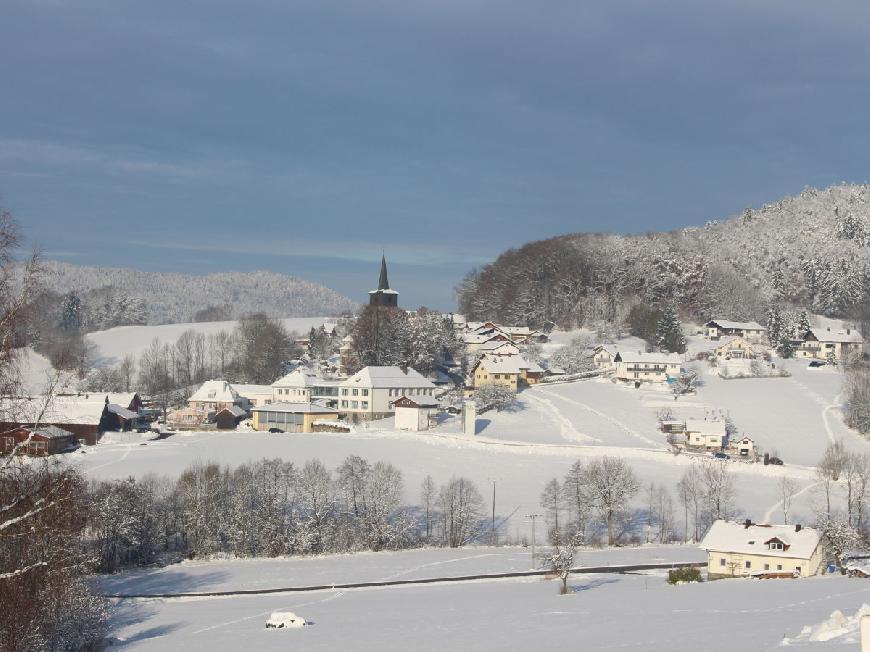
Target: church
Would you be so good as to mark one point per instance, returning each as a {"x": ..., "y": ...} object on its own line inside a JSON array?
[{"x": 384, "y": 296}]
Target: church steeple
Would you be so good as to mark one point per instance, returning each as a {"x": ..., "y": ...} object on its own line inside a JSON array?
[
  {"x": 383, "y": 283},
  {"x": 384, "y": 296}
]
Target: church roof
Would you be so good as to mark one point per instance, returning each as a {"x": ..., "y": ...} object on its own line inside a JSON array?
[{"x": 383, "y": 283}]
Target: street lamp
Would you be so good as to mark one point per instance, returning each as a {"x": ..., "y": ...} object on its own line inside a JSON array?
[{"x": 533, "y": 517}]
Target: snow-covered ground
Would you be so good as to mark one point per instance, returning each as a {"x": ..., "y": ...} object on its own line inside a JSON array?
[
  {"x": 115, "y": 343},
  {"x": 637, "y": 611}
]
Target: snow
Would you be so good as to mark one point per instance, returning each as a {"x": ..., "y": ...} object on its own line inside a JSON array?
[
  {"x": 113, "y": 344},
  {"x": 285, "y": 620},
  {"x": 836, "y": 626}
]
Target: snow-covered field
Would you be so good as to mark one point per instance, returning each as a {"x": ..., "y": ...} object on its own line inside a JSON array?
[
  {"x": 637, "y": 611},
  {"x": 115, "y": 343}
]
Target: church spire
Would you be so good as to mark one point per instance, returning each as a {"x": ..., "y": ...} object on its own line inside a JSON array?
[{"x": 383, "y": 283}]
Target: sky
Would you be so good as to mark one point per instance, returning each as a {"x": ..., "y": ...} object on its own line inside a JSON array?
[{"x": 309, "y": 137}]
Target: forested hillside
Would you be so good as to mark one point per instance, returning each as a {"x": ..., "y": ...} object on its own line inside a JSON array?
[
  {"x": 811, "y": 251},
  {"x": 160, "y": 298}
]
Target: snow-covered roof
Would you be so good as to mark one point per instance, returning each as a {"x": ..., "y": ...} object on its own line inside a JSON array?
[
  {"x": 842, "y": 336},
  {"x": 296, "y": 408},
  {"x": 247, "y": 391},
  {"x": 493, "y": 345},
  {"x": 303, "y": 377},
  {"x": 736, "y": 325},
  {"x": 53, "y": 432},
  {"x": 122, "y": 411},
  {"x": 218, "y": 391},
  {"x": 508, "y": 364},
  {"x": 655, "y": 357},
  {"x": 382, "y": 292},
  {"x": 235, "y": 410},
  {"x": 81, "y": 409},
  {"x": 387, "y": 377},
  {"x": 516, "y": 330},
  {"x": 416, "y": 402},
  {"x": 726, "y": 536},
  {"x": 706, "y": 427}
]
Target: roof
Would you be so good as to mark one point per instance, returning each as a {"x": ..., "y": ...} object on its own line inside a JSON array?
[
  {"x": 302, "y": 377},
  {"x": 650, "y": 358},
  {"x": 387, "y": 377},
  {"x": 52, "y": 432},
  {"x": 296, "y": 408},
  {"x": 218, "y": 391},
  {"x": 493, "y": 345},
  {"x": 843, "y": 336},
  {"x": 508, "y": 364},
  {"x": 737, "y": 325},
  {"x": 235, "y": 410},
  {"x": 252, "y": 390},
  {"x": 79, "y": 409},
  {"x": 726, "y": 536},
  {"x": 705, "y": 427},
  {"x": 122, "y": 412},
  {"x": 414, "y": 403}
]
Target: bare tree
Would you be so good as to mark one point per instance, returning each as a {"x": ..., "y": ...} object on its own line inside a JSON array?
[
  {"x": 611, "y": 484},
  {"x": 829, "y": 469},
  {"x": 561, "y": 560},
  {"x": 461, "y": 505},
  {"x": 690, "y": 492},
  {"x": 427, "y": 498},
  {"x": 127, "y": 369},
  {"x": 551, "y": 501},
  {"x": 787, "y": 489},
  {"x": 718, "y": 491},
  {"x": 575, "y": 498}
]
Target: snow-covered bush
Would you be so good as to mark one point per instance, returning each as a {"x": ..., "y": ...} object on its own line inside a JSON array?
[
  {"x": 285, "y": 620},
  {"x": 684, "y": 575},
  {"x": 494, "y": 397}
]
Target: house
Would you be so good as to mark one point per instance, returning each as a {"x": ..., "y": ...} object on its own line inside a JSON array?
[
  {"x": 603, "y": 355},
  {"x": 731, "y": 347},
  {"x": 415, "y": 415},
  {"x": 291, "y": 416},
  {"x": 47, "y": 440},
  {"x": 370, "y": 392},
  {"x": 750, "y": 330},
  {"x": 646, "y": 367},
  {"x": 821, "y": 343},
  {"x": 229, "y": 417},
  {"x": 214, "y": 395},
  {"x": 751, "y": 549},
  {"x": 254, "y": 394},
  {"x": 710, "y": 435},
  {"x": 87, "y": 416},
  {"x": 744, "y": 446},
  {"x": 305, "y": 386},
  {"x": 509, "y": 370}
]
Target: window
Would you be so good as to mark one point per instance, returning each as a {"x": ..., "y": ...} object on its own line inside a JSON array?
[
  {"x": 776, "y": 545},
  {"x": 722, "y": 561},
  {"x": 365, "y": 392},
  {"x": 344, "y": 404},
  {"x": 779, "y": 567},
  {"x": 354, "y": 405},
  {"x": 344, "y": 392},
  {"x": 797, "y": 569},
  {"x": 748, "y": 564},
  {"x": 767, "y": 567},
  {"x": 365, "y": 405},
  {"x": 355, "y": 391}
]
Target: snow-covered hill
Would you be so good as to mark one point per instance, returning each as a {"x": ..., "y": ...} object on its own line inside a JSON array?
[{"x": 173, "y": 298}]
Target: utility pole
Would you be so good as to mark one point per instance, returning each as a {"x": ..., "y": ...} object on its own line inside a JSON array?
[
  {"x": 533, "y": 517},
  {"x": 492, "y": 537}
]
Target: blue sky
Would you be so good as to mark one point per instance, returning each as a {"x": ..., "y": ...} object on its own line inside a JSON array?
[{"x": 305, "y": 137}]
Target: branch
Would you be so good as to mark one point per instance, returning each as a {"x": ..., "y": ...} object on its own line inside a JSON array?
[{"x": 22, "y": 571}]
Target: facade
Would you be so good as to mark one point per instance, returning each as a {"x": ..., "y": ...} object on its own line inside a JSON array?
[
  {"x": 415, "y": 415},
  {"x": 733, "y": 347},
  {"x": 821, "y": 343},
  {"x": 214, "y": 395},
  {"x": 509, "y": 370},
  {"x": 646, "y": 367},
  {"x": 370, "y": 392},
  {"x": 750, "y": 330},
  {"x": 749, "y": 549},
  {"x": 304, "y": 386},
  {"x": 291, "y": 417},
  {"x": 48, "y": 440},
  {"x": 744, "y": 446},
  {"x": 383, "y": 295},
  {"x": 710, "y": 435},
  {"x": 254, "y": 394}
]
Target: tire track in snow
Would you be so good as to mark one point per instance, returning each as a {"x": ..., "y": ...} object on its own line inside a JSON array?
[
  {"x": 768, "y": 515},
  {"x": 566, "y": 428},
  {"x": 627, "y": 430}
]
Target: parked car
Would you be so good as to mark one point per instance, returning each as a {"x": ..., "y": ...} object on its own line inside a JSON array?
[
  {"x": 275, "y": 430},
  {"x": 721, "y": 456},
  {"x": 817, "y": 363},
  {"x": 775, "y": 461}
]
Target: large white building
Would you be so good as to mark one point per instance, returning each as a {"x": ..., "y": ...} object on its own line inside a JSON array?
[
  {"x": 646, "y": 367},
  {"x": 370, "y": 392},
  {"x": 820, "y": 343},
  {"x": 304, "y": 386}
]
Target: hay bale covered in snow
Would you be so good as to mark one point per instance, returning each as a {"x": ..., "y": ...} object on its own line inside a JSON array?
[{"x": 284, "y": 619}]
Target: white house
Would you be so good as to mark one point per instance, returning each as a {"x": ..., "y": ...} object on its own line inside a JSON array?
[
  {"x": 752, "y": 331},
  {"x": 744, "y": 446},
  {"x": 214, "y": 395},
  {"x": 819, "y": 343},
  {"x": 750, "y": 549},
  {"x": 646, "y": 367},
  {"x": 711, "y": 434},
  {"x": 370, "y": 392},
  {"x": 257, "y": 395},
  {"x": 304, "y": 386},
  {"x": 415, "y": 415}
]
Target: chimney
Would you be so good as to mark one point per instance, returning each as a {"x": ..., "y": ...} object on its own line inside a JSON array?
[
  {"x": 848, "y": 331},
  {"x": 404, "y": 369},
  {"x": 747, "y": 523},
  {"x": 798, "y": 527}
]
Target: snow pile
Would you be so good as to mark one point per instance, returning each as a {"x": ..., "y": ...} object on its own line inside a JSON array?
[
  {"x": 285, "y": 619},
  {"x": 129, "y": 437},
  {"x": 838, "y": 626}
]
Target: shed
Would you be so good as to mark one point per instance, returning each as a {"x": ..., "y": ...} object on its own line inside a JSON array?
[
  {"x": 46, "y": 440},
  {"x": 415, "y": 415},
  {"x": 229, "y": 417}
]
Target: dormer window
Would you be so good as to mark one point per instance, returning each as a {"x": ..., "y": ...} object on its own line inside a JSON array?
[{"x": 775, "y": 545}]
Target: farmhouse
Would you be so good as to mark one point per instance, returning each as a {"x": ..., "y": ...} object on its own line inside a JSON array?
[
  {"x": 47, "y": 440},
  {"x": 822, "y": 343},
  {"x": 509, "y": 370},
  {"x": 291, "y": 417},
  {"x": 750, "y": 330},
  {"x": 750, "y": 549},
  {"x": 710, "y": 435},
  {"x": 370, "y": 392},
  {"x": 646, "y": 367},
  {"x": 415, "y": 415}
]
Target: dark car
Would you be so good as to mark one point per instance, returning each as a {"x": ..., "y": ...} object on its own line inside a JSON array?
[
  {"x": 275, "y": 430},
  {"x": 775, "y": 461},
  {"x": 721, "y": 456},
  {"x": 817, "y": 363}
]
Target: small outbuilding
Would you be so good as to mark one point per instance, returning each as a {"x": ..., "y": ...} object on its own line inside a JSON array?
[
  {"x": 47, "y": 440},
  {"x": 229, "y": 417},
  {"x": 415, "y": 415}
]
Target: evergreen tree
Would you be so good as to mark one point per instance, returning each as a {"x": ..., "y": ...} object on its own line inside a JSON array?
[
  {"x": 803, "y": 323},
  {"x": 774, "y": 324},
  {"x": 71, "y": 314},
  {"x": 785, "y": 348},
  {"x": 669, "y": 333},
  {"x": 831, "y": 358}
]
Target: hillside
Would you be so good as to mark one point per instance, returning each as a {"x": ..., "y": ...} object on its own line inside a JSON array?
[
  {"x": 811, "y": 250},
  {"x": 175, "y": 298}
]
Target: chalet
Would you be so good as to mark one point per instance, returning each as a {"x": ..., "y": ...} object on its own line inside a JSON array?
[
  {"x": 821, "y": 343},
  {"x": 370, "y": 392},
  {"x": 749, "y": 549},
  {"x": 646, "y": 367},
  {"x": 415, "y": 415},
  {"x": 750, "y": 330},
  {"x": 509, "y": 370},
  {"x": 291, "y": 417},
  {"x": 305, "y": 386},
  {"x": 709, "y": 435},
  {"x": 87, "y": 416},
  {"x": 731, "y": 347},
  {"x": 47, "y": 440},
  {"x": 228, "y": 418}
]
